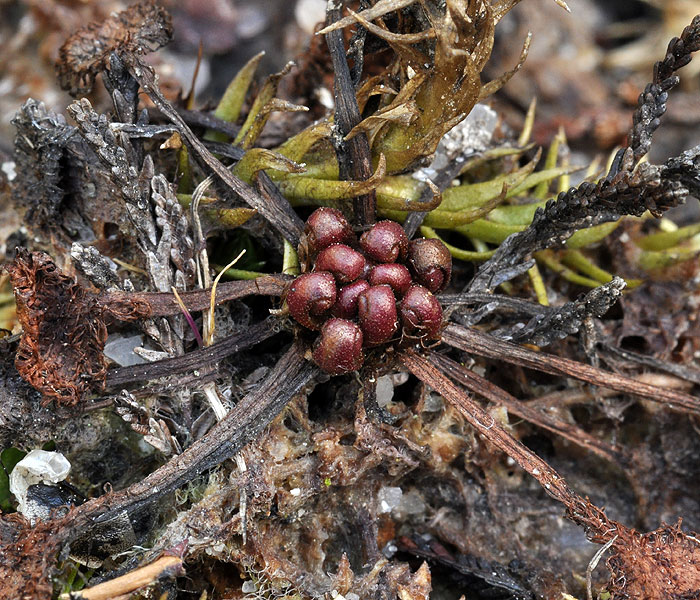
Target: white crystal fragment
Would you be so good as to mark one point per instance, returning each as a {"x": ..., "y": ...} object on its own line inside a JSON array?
[
  {"x": 120, "y": 349},
  {"x": 39, "y": 466},
  {"x": 388, "y": 498},
  {"x": 411, "y": 503},
  {"x": 385, "y": 390},
  {"x": 8, "y": 167},
  {"x": 308, "y": 13}
]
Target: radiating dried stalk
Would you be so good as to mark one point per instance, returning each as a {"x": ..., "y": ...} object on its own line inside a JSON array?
[{"x": 482, "y": 344}]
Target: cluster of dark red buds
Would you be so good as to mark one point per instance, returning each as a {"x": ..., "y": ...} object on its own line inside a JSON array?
[{"x": 366, "y": 293}]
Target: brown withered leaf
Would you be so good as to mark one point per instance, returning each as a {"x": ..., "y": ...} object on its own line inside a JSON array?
[
  {"x": 60, "y": 353},
  {"x": 664, "y": 563},
  {"x": 141, "y": 28},
  {"x": 27, "y": 559}
]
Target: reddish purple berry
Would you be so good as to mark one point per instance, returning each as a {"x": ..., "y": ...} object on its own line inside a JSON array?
[
  {"x": 345, "y": 263},
  {"x": 376, "y": 311},
  {"x": 393, "y": 274},
  {"x": 431, "y": 263},
  {"x": 326, "y": 226},
  {"x": 421, "y": 312},
  {"x": 310, "y": 296},
  {"x": 346, "y": 304},
  {"x": 386, "y": 242},
  {"x": 338, "y": 349}
]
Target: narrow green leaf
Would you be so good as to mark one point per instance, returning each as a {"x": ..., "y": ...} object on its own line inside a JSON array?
[
  {"x": 664, "y": 240},
  {"x": 9, "y": 458},
  {"x": 468, "y": 255},
  {"x": 592, "y": 235},
  {"x": 229, "y": 107}
]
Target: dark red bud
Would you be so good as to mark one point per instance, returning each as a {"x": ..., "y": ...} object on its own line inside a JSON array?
[
  {"x": 421, "y": 312},
  {"x": 309, "y": 296},
  {"x": 345, "y": 263},
  {"x": 376, "y": 311},
  {"x": 338, "y": 349},
  {"x": 393, "y": 274},
  {"x": 326, "y": 226},
  {"x": 431, "y": 263},
  {"x": 386, "y": 242},
  {"x": 346, "y": 304}
]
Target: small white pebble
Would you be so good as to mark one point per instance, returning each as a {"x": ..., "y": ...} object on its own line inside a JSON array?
[{"x": 295, "y": 492}]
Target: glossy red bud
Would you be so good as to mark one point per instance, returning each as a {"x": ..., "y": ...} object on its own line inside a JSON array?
[
  {"x": 421, "y": 313},
  {"x": 326, "y": 226},
  {"x": 393, "y": 274},
  {"x": 345, "y": 263},
  {"x": 338, "y": 349},
  {"x": 376, "y": 312},
  {"x": 346, "y": 304},
  {"x": 386, "y": 242},
  {"x": 431, "y": 263},
  {"x": 310, "y": 296}
]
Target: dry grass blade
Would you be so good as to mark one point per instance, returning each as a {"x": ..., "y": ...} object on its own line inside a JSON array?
[
  {"x": 380, "y": 9},
  {"x": 165, "y": 566},
  {"x": 482, "y": 344}
]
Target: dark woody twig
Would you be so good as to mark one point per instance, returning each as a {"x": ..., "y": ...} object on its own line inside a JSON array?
[{"x": 354, "y": 157}]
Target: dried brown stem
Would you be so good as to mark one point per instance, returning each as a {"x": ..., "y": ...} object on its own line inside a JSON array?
[
  {"x": 203, "y": 358},
  {"x": 162, "y": 304},
  {"x": 482, "y": 344}
]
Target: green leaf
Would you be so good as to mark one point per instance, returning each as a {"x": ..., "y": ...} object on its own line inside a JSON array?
[
  {"x": 9, "y": 457},
  {"x": 487, "y": 231},
  {"x": 258, "y": 159},
  {"x": 469, "y": 255},
  {"x": 664, "y": 240},
  {"x": 252, "y": 125},
  {"x": 592, "y": 235},
  {"x": 542, "y": 189},
  {"x": 476, "y": 195},
  {"x": 229, "y": 108}
]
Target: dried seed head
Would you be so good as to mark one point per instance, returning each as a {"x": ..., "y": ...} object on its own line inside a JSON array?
[
  {"x": 345, "y": 263},
  {"x": 310, "y": 296},
  {"x": 386, "y": 242},
  {"x": 346, "y": 304},
  {"x": 338, "y": 349},
  {"x": 326, "y": 226},
  {"x": 431, "y": 263},
  {"x": 376, "y": 311},
  {"x": 393, "y": 274},
  {"x": 421, "y": 312}
]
